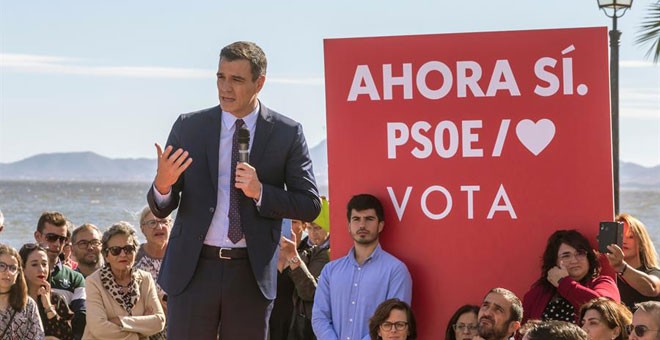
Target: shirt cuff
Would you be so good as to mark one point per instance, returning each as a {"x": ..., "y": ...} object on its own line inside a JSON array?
[
  {"x": 160, "y": 199},
  {"x": 261, "y": 195}
]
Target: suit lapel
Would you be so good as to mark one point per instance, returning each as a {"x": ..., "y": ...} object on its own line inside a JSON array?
[
  {"x": 261, "y": 134},
  {"x": 213, "y": 144}
]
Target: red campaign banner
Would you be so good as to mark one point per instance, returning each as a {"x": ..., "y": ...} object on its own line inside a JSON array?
[{"x": 479, "y": 145}]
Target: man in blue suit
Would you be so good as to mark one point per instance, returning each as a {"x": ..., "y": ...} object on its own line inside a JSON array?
[{"x": 220, "y": 268}]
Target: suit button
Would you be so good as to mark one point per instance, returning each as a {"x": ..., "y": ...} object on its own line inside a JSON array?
[{"x": 211, "y": 210}]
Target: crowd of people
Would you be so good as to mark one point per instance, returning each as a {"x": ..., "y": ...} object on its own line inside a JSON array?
[
  {"x": 223, "y": 270},
  {"x": 112, "y": 292}
]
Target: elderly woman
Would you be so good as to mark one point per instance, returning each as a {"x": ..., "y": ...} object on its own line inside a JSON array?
[
  {"x": 303, "y": 265},
  {"x": 393, "y": 319},
  {"x": 150, "y": 255},
  {"x": 636, "y": 264},
  {"x": 603, "y": 318},
  {"x": 463, "y": 324},
  {"x": 122, "y": 302},
  {"x": 570, "y": 277},
  {"x": 19, "y": 318},
  {"x": 53, "y": 309}
]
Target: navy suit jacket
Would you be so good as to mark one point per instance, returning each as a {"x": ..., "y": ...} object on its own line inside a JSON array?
[{"x": 279, "y": 154}]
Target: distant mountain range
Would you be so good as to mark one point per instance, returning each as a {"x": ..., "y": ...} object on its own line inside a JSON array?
[{"x": 89, "y": 166}]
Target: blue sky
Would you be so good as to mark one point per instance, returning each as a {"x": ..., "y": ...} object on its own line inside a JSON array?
[{"x": 111, "y": 77}]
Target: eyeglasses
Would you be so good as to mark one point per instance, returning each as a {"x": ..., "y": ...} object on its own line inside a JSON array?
[
  {"x": 84, "y": 244},
  {"x": 399, "y": 325},
  {"x": 52, "y": 238},
  {"x": 639, "y": 330},
  {"x": 578, "y": 255},
  {"x": 115, "y": 251},
  {"x": 12, "y": 268},
  {"x": 154, "y": 223},
  {"x": 461, "y": 327}
]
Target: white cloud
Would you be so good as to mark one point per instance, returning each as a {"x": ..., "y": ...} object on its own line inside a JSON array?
[
  {"x": 26, "y": 63},
  {"x": 637, "y": 64}
]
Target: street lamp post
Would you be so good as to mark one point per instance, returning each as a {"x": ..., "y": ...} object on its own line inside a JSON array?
[{"x": 615, "y": 9}]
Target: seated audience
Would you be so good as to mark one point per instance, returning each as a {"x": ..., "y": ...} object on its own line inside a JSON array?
[
  {"x": 53, "y": 309},
  {"x": 303, "y": 266},
  {"x": 150, "y": 255},
  {"x": 463, "y": 324},
  {"x": 636, "y": 264},
  {"x": 393, "y": 319},
  {"x": 86, "y": 241},
  {"x": 553, "y": 330},
  {"x": 51, "y": 234},
  {"x": 122, "y": 302},
  {"x": 19, "y": 318},
  {"x": 646, "y": 321},
  {"x": 603, "y": 318},
  {"x": 570, "y": 277},
  {"x": 499, "y": 315}
]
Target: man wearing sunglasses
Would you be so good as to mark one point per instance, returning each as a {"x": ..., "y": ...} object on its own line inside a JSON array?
[
  {"x": 51, "y": 234},
  {"x": 646, "y": 321}
]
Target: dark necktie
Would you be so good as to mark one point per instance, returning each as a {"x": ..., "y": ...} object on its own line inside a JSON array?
[{"x": 235, "y": 232}]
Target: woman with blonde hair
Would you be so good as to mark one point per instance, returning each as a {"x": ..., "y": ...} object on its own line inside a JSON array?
[
  {"x": 19, "y": 317},
  {"x": 635, "y": 263},
  {"x": 603, "y": 318}
]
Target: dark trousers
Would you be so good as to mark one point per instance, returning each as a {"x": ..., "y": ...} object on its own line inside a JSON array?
[{"x": 222, "y": 301}]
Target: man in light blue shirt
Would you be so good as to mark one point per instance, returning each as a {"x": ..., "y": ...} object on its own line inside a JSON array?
[{"x": 350, "y": 288}]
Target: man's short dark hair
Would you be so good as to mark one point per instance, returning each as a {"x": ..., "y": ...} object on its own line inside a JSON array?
[
  {"x": 553, "y": 330},
  {"x": 86, "y": 226},
  {"x": 363, "y": 202},
  {"x": 516, "y": 306},
  {"x": 53, "y": 217},
  {"x": 247, "y": 50}
]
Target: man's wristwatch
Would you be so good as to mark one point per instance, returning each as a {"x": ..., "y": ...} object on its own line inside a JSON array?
[{"x": 294, "y": 259}]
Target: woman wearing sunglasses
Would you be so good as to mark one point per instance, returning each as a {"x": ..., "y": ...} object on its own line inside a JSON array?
[
  {"x": 53, "y": 310},
  {"x": 570, "y": 277},
  {"x": 122, "y": 302},
  {"x": 646, "y": 321},
  {"x": 19, "y": 318},
  {"x": 393, "y": 320}
]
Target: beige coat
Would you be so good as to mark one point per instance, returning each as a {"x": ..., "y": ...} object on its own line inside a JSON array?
[{"x": 101, "y": 306}]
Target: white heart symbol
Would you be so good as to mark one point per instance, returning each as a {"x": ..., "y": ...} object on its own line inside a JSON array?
[{"x": 535, "y": 136}]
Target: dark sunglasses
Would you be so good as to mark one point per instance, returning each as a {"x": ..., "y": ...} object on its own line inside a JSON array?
[
  {"x": 115, "y": 251},
  {"x": 639, "y": 330},
  {"x": 50, "y": 237}
]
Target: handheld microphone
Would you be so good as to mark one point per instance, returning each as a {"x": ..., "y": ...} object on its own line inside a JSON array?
[{"x": 243, "y": 144}]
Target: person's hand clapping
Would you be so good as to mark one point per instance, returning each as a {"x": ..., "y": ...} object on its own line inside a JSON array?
[{"x": 170, "y": 167}]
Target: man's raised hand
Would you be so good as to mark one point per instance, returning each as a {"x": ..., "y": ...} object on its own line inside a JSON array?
[{"x": 170, "y": 167}]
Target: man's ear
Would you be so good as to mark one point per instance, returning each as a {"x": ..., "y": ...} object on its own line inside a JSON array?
[
  {"x": 260, "y": 82},
  {"x": 37, "y": 236},
  {"x": 381, "y": 224},
  {"x": 513, "y": 327}
]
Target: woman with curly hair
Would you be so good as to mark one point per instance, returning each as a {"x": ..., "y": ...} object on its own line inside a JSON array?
[{"x": 570, "y": 277}]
